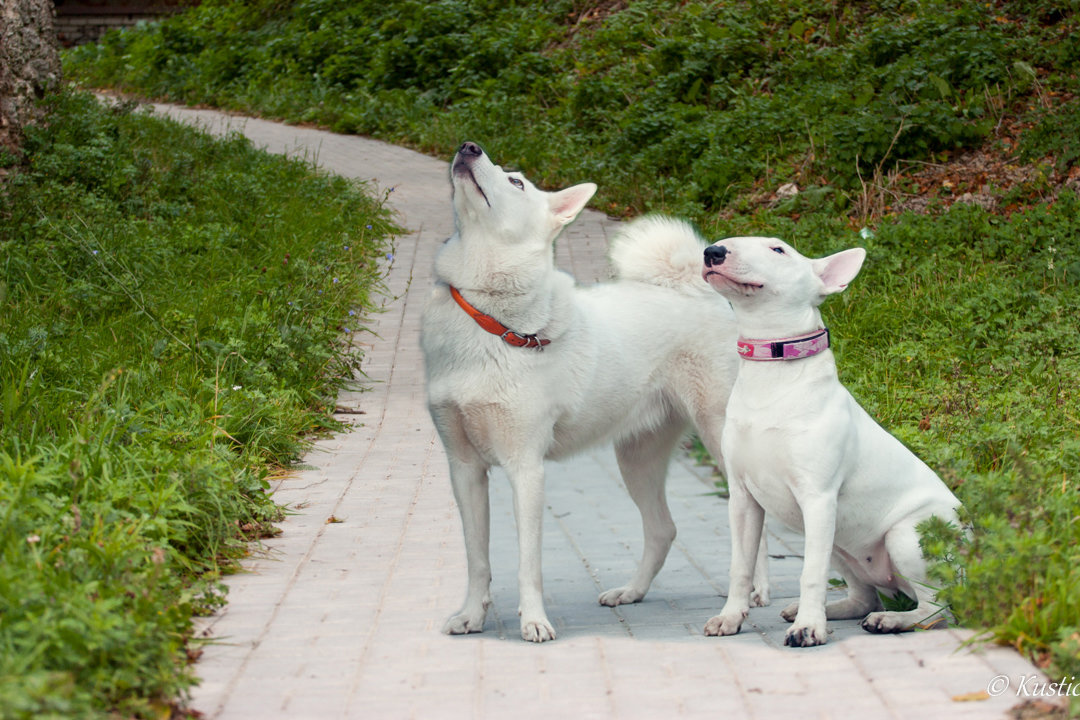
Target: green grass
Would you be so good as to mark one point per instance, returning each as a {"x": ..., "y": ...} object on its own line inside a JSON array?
[
  {"x": 175, "y": 317},
  {"x": 960, "y": 333}
]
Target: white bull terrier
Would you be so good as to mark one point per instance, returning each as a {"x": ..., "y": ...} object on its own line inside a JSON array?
[{"x": 799, "y": 447}]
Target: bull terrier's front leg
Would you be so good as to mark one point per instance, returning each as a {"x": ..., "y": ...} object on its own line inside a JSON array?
[
  {"x": 819, "y": 521},
  {"x": 747, "y": 520}
]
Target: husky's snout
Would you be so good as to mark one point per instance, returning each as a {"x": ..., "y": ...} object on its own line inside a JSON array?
[
  {"x": 466, "y": 154},
  {"x": 464, "y": 161},
  {"x": 714, "y": 255},
  {"x": 470, "y": 149}
]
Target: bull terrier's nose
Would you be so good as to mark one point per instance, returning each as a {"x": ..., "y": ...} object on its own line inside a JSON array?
[
  {"x": 714, "y": 255},
  {"x": 470, "y": 149}
]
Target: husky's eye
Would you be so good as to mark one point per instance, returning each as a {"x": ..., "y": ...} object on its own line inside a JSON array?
[
  {"x": 516, "y": 183},
  {"x": 779, "y": 250}
]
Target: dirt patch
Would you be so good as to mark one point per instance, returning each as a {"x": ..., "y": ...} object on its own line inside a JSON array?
[{"x": 994, "y": 180}]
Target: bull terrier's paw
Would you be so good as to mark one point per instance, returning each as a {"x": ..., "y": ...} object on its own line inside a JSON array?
[
  {"x": 537, "y": 631},
  {"x": 464, "y": 623},
  {"x": 624, "y": 595},
  {"x": 790, "y": 611},
  {"x": 760, "y": 597},
  {"x": 806, "y": 635},
  {"x": 887, "y": 622},
  {"x": 725, "y": 623}
]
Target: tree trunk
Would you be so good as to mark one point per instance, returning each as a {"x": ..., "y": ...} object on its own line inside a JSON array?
[{"x": 29, "y": 64}]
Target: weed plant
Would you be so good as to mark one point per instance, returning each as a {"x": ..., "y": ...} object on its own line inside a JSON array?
[
  {"x": 175, "y": 316},
  {"x": 960, "y": 333}
]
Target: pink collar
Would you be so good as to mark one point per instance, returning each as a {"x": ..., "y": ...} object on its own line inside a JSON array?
[{"x": 793, "y": 348}]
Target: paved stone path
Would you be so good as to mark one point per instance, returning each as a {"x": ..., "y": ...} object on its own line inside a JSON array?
[{"x": 342, "y": 619}]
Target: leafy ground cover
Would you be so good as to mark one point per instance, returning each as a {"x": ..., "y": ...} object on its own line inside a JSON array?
[
  {"x": 175, "y": 317},
  {"x": 946, "y": 131}
]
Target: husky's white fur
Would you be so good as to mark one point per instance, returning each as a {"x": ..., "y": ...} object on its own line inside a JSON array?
[
  {"x": 628, "y": 362},
  {"x": 799, "y": 447}
]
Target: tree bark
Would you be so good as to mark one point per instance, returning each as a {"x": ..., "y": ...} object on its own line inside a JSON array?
[{"x": 29, "y": 64}]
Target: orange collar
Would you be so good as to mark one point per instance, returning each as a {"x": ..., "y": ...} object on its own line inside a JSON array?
[{"x": 495, "y": 327}]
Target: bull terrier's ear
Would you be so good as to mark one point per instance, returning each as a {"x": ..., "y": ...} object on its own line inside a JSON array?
[
  {"x": 566, "y": 204},
  {"x": 836, "y": 271}
]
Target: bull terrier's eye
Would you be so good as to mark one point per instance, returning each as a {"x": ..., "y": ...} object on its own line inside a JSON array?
[
  {"x": 779, "y": 250},
  {"x": 516, "y": 183}
]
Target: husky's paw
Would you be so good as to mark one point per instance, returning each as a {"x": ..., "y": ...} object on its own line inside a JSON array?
[
  {"x": 804, "y": 634},
  {"x": 537, "y": 631},
  {"x": 464, "y": 623},
  {"x": 760, "y": 597},
  {"x": 470, "y": 619},
  {"x": 624, "y": 595},
  {"x": 790, "y": 611},
  {"x": 887, "y": 622},
  {"x": 725, "y": 623}
]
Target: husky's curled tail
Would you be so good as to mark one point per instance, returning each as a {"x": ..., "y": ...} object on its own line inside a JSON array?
[{"x": 660, "y": 251}]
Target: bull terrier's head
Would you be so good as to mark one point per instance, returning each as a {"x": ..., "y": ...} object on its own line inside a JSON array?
[{"x": 773, "y": 289}]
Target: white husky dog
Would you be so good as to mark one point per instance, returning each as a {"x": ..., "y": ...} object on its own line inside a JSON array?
[
  {"x": 523, "y": 366},
  {"x": 799, "y": 447}
]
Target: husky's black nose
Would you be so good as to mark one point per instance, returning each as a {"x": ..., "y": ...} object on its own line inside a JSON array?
[
  {"x": 470, "y": 149},
  {"x": 714, "y": 255}
]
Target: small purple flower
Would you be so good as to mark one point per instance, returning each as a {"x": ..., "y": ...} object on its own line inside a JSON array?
[
  {"x": 368, "y": 227},
  {"x": 335, "y": 281},
  {"x": 346, "y": 247},
  {"x": 352, "y": 313},
  {"x": 94, "y": 252},
  {"x": 390, "y": 256}
]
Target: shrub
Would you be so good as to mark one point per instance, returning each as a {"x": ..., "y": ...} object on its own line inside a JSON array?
[{"x": 175, "y": 315}]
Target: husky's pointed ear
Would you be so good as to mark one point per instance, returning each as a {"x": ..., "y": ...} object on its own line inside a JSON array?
[
  {"x": 566, "y": 204},
  {"x": 836, "y": 271}
]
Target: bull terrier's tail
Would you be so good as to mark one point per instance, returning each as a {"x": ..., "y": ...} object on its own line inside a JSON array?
[{"x": 661, "y": 251}]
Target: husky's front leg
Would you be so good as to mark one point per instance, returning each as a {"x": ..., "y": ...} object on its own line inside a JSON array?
[
  {"x": 470, "y": 483},
  {"x": 469, "y": 479},
  {"x": 527, "y": 481}
]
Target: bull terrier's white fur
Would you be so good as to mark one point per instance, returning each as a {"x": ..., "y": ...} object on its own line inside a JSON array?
[
  {"x": 799, "y": 447},
  {"x": 627, "y": 363}
]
